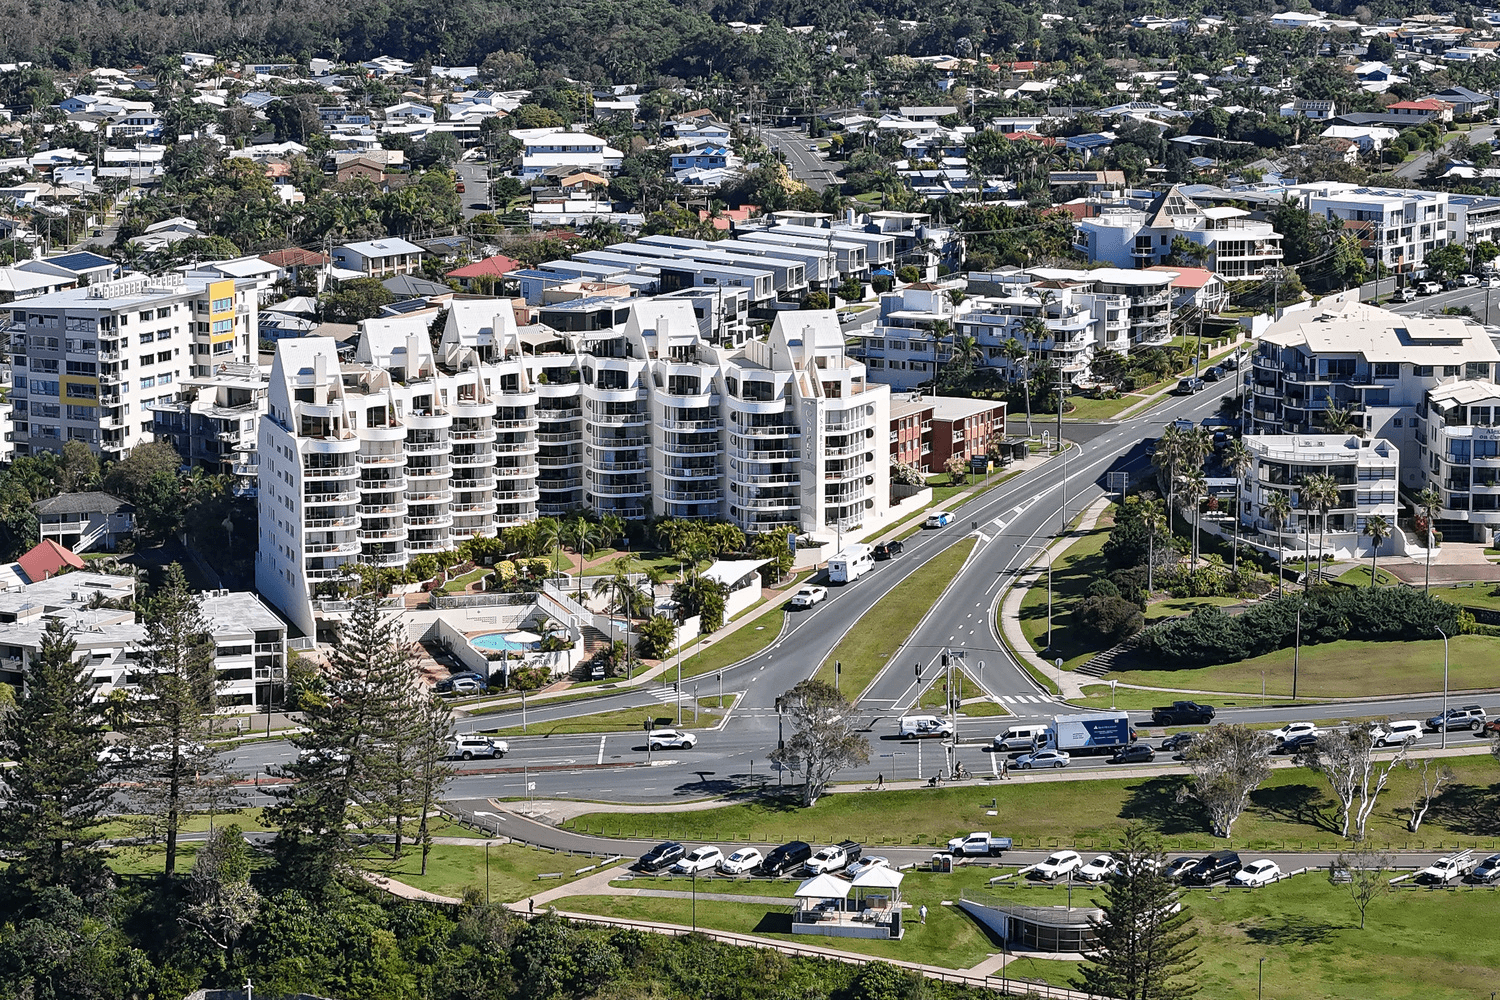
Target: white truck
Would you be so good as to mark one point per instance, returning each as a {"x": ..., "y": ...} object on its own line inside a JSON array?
[
  {"x": 979, "y": 845},
  {"x": 835, "y": 858},
  {"x": 1091, "y": 732},
  {"x": 850, "y": 564},
  {"x": 1449, "y": 869}
]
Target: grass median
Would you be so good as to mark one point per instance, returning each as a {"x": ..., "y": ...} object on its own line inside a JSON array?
[
  {"x": 877, "y": 635},
  {"x": 509, "y": 870},
  {"x": 618, "y": 721},
  {"x": 1292, "y": 810},
  {"x": 743, "y": 642}
]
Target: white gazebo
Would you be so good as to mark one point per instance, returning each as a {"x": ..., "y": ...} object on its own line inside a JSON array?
[{"x": 822, "y": 905}]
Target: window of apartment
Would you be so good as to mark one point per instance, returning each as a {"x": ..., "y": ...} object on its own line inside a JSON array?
[
  {"x": 146, "y": 338},
  {"x": 1477, "y": 369},
  {"x": 223, "y": 305},
  {"x": 44, "y": 387},
  {"x": 1340, "y": 367},
  {"x": 223, "y": 325},
  {"x": 146, "y": 316},
  {"x": 147, "y": 359},
  {"x": 1450, "y": 370},
  {"x": 148, "y": 382},
  {"x": 224, "y": 348},
  {"x": 76, "y": 391},
  {"x": 876, "y": 363},
  {"x": 1386, "y": 369},
  {"x": 80, "y": 412},
  {"x": 1397, "y": 422},
  {"x": 163, "y": 312},
  {"x": 898, "y": 345},
  {"x": 164, "y": 334},
  {"x": 47, "y": 410},
  {"x": 82, "y": 368},
  {"x": 165, "y": 379},
  {"x": 919, "y": 366},
  {"x": 164, "y": 357},
  {"x": 44, "y": 365},
  {"x": 1422, "y": 371}
]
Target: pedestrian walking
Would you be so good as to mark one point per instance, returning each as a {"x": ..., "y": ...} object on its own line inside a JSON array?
[
  {"x": 880, "y": 780},
  {"x": 531, "y": 905},
  {"x": 1004, "y": 768},
  {"x": 923, "y": 911}
]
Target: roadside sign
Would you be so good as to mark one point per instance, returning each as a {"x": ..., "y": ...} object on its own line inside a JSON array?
[{"x": 791, "y": 542}]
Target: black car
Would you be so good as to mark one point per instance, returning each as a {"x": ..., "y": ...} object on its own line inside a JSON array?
[
  {"x": 1215, "y": 868},
  {"x": 1307, "y": 741},
  {"x": 661, "y": 856},
  {"x": 889, "y": 550},
  {"x": 1179, "y": 742},
  {"x": 1188, "y": 386},
  {"x": 1132, "y": 754},
  {"x": 786, "y": 857},
  {"x": 1213, "y": 374}
]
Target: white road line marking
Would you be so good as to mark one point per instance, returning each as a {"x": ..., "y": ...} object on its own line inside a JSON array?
[{"x": 601, "y": 750}]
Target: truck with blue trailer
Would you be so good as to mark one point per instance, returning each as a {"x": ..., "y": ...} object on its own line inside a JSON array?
[{"x": 1091, "y": 732}]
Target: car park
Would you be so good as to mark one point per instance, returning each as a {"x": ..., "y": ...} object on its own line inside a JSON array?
[
  {"x": 1178, "y": 867},
  {"x": 786, "y": 857},
  {"x": 1467, "y": 717},
  {"x": 1213, "y": 374},
  {"x": 469, "y": 747},
  {"x": 1293, "y": 729},
  {"x": 741, "y": 862},
  {"x": 889, "y": 550},
  {"x": 661, "y": 856},
  {"x": 808, "y": 596},
  {"x": 1214, "y": 868},
  {"x": 1135, "y": 753},
  {"x": 1395, "y": 734},
  {"x": 1486, "y": 871},
  {"x": 665, "y": 739},
  {"x": 1043, "y": 758},
  {"x": 1058, "y": 865},
  {"x": 835, "y": 858},
  {"x": 699, "y": 859},
  {"x": 938, "y": 519},
  {"x": 1098, "y": 869},
  {"x": 1262, "y": 872},
  {"x": 1407, "y": 294},
  {"x": 866, "y": 864}
]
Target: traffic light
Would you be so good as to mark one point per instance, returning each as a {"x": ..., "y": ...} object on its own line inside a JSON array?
[{"x": 945, "y": 660}]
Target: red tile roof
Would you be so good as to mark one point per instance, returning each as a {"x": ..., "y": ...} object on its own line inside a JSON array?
[
  {"x": 494, "y": 267},
  {"x": 294, "y": 257},
  {"x": 1187, "y": 277},
  {"x": 1430, "y": 104},
  {"x": 47, "y": 560}
]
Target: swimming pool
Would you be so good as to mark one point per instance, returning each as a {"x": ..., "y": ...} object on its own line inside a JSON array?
[{"x": 497, "y": 640}]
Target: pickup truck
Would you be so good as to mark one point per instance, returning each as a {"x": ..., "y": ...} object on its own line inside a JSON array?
[
  {"x": 979, "y": 844},
  {"x": 1445, "y": 870},
  {"x": 834, "y": 859},
  {"x": 1182, "y": 713}
]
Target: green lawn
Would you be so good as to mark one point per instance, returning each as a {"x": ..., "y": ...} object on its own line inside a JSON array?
[
  {"x": 1339, "y": 669},
  {"x": 1072, "y": 572},
  {"x": 935, "y": 697},
  {"x": 248, "y": 820},
  {"x": 619, "y": 721},
  {"x": 640, "y": 562},
  {"x": 1132, "y": 700},
  {"x": 747, "y": 640},
  {"x": 1359, "y": 576},
  {"x": 881, "y": 631},
  {"x": 459, "y": 583},
  {"x": 451, "y": 869},
  {"x": 1086, "y": 408},
  {"x": 1292, "y": 810}
]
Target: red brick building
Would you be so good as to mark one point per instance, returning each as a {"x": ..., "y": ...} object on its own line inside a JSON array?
[
  {"x": 964, "y": 427},
  {"x": 911, "y": 431}
]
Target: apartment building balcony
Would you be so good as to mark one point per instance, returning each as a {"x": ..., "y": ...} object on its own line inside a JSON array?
[
  {"x": 362, "y": 459},
  {"x": 779, "y": 502},
  {"x": 616, "y": 443},
  {"x": 109, "y": 418},
  {"x": 330, "y": 523},
  {"x": 858, "y": 471},
  {"x": 621, "y": 509},
  {"x": 765, "y": 455},
  {"x": 516, "y": 447},
  {"x": 521, "y": 424},
  {"x": 384, "y": 560},
  {"x": 484, "y": 505},
  {"x": 767, "y": 479},
  {"x": 506, "y": 471},
  {"x": 672, "y": 447},
  {"x": 477, "y": 528},
  {"x": 619, "y": 466},
  {"x": 693, "y": 496},
  {"x": 349, "y": 471},
  {"x": 845, "y": 450},
  {"x": 419, "y": 545},
  {"x": 692, "y": 425},
  {"x": 429, "y": 420},
  {"x": 388, "y": 533},
  {"x": 325, "y": 573},
  {"x": 385, "y": 484},
  {"x": 552, "y": 414},
  {"x": 346, "y": 548},
  {"x": 515, "y": 496},
  {"x": 431, "y": 447},
  {"x": 847, "y": 425},
  {"x": 767, "y": 430},
  {"x": 572, "y": 458},
  {"x": 559, "y": 509},
  {"x": 429, "y": 495},
  {"x": 619, "y": 419},
  {"x": 566, "y": 437},
  {"x": 556, "y": 485},
  {"x": 428, "y": 472},
  {"x": 460, "y": 459},
  {"x": 615, "y": 489},
  {"x": 485, "y": 482},
  {"x": 691, "y": 471},
  {"x": 320, "y": 499},
  {"x": 431, "y": 518}
]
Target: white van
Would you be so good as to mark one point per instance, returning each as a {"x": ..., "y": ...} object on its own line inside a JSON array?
[
  {"x": 1023, "y": 737},
  {"x": 911, "y": 726},
  {"x": 850, "y": 564}
]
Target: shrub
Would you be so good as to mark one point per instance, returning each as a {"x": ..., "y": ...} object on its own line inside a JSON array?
[
  {"x": 1113, "y": 618},
  {"x": 1100, "y": 587}
]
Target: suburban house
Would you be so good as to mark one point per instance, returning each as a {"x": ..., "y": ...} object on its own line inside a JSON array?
[
  {"x": 379, "y": 258},
  {"x": 545, "y": 148},
  {"x": 1426, "y": 110},
  {"x": 1464, "y": 100},
  {"x": 81, "y": 521}
]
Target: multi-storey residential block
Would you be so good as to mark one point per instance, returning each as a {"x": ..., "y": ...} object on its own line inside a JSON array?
[
  {"x": 1365, "y": 469},
  {"x": 1233, "y": 244},
  {"x": 1460, "y": 429},
  {"x": 1375, "y": 365},
  {"x": 214, "y": 422},
  {"x": 1398, "y": 228},
  {"x": 379, "y": 258},
  {"x": 91, "y": 362}
]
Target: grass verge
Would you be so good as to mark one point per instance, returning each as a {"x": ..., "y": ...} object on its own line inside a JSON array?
[
  {"x": 619, "y": 721},
  {"x": 875, "y": 638},
  {"x": 745, "y": 641},
  {"x": 512, "y": 869}
]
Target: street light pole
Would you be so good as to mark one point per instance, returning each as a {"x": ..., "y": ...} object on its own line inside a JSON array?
[
  {"x": 1445, "y": 688},
  {"x": 1296, "y": 653},
  {"x": 1260, "y": 972}
]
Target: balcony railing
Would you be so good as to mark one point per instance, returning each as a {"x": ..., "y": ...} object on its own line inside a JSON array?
[{"x": 330, "y": 471}]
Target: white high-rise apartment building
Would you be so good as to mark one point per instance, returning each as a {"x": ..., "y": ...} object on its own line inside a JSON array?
[
  {"x": 408, "y": 451},
  {"x": 90, "y": 362}
]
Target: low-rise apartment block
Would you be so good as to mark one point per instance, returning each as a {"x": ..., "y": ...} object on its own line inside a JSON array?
[{"x": 1365, "y": 469}]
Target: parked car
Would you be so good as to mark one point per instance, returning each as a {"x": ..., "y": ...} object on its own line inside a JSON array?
[
  {"x": 1469, "y": 280},
  {"x": 1407, "y": 294},
  {"x": 1177, "y": 868},
  {"x": 664, "y": 739},
  {"x": 1445, "y": 870},
  {"x": 979, "y": 843},
  {"x": 1057, "y": 865},
  {"x": 786, "y": 857},
  {"x": 835, "y": 858},
  {"x": 1098, "y": 869},
  {"x": 661, "y": 856},
  {"x": 1486, "y": 871},
  {"x": 1188, "y": 386},
  {"x": 465, "y": 685},
  {"x": 1292, "y": 729},
  {"x": 1043, "y": 758},
  {"x": 1178, "y": 742},
  {"x": 1215, "y": 868},
  {"x": 469, "y": 747},
  {"x": 1135, "y": 753},
  {"x": 808, "y": 596},
  {"x": 1467, "y": 717},
  {"x": 741, "y": 862},
  {"x": 1395, "y": 734},
  {"x": 938, "y": 519},
  {"x": 889, "y": 550},
  {"x": 1262, "y": 872},
  {"x": 1214, "y": 374},
  {"x": 458, "y": 187},
  {"x": 865, "y": 864},
  {"x": 1428, "y": 288},
  {"x": 1295, "y": 745},
  {"x": 699, "y": 859}
]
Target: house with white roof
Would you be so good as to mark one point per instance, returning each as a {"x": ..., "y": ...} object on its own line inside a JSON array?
[
  {"x": 544, "y": 149},
  {"x": 410, "y": 113},
  {"x": 379, "y": 258}
]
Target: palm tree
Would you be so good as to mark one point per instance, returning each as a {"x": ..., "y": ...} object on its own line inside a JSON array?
[
  {"x": 624, "y": 597},
  {"x": 1169, "y": 456},
  {"x": 1340, "y": 420},
  {"x": 1379, "y": 529},
  {"x": 1195, "y": 487},
  {"x": 1321, "y": 492},
  {"x": 1016, "y": 353},
  {"x": 1238, "y": 461},
  {"x": 583, "y": 535},
  {"x": 1276, "y": 507},
  {"x": 1151, "y": 521},
  {"x": 1429, "y": 500}
]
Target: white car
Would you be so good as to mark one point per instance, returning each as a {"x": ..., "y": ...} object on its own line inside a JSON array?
[
  {"x": 1059, "y": 864},
  {"x": 1395, "y": 734},
  {"x": 865, "y": 864},
  {"x": 939, "y": 519},
  {"x": 1294, "y": 729},
  {"x": 808, "y": 596},
  {"x": 1099, "y": 869},
  {"x": 1261, "y": 872},
  {"x": 746, "y": 859},
  {"x": 664, "y": 739},
  {"x": 700, "y": 859},
  {"x": 469, "y": 747},
  {"x": 1445, "y": 870}
]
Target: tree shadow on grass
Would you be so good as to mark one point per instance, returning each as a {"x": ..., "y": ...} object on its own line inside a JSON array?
[
  {"x": 774, "y": 923},
  {"x": 1289, "y": 930},
  {"x": 1467, "y": 809},
  {"x": 1303, "y": 804},
  {"x": 1155, "y": 802}
]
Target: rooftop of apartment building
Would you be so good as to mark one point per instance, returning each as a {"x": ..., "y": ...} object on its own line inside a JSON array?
[
  {"x": 1313, "y": 448},
  {"x": 1347, "y": 326}
]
